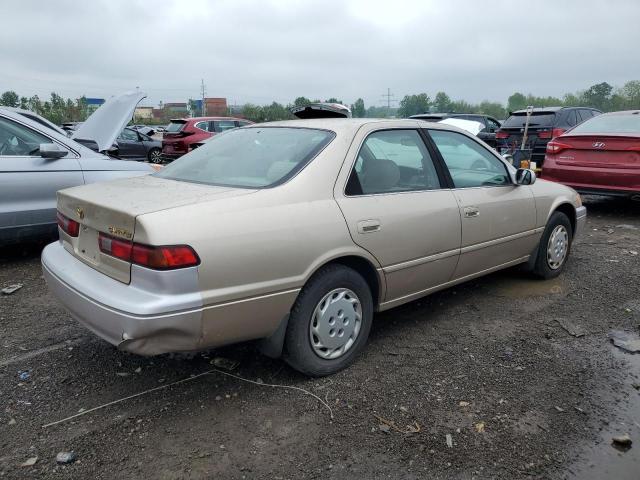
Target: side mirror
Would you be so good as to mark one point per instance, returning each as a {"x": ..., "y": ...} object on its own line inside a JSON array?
[
  {"x": 51, "y": 150},
  {"x": 525, "y": 176}
]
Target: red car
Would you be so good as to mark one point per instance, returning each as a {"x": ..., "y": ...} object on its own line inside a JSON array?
[
  {"x": 600, "y": 156},
  {"x": 181, "y": 134}
]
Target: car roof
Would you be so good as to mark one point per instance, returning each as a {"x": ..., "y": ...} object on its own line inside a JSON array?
[
  {"x": 199, "y": 119},
  {"x": 346, "y": 125}
]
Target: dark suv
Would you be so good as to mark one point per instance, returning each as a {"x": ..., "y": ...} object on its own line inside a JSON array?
[
  {"x": 182, "y": 134},
  {"x": 487, "y": 134},
  {"x": 545, "y": 123}
]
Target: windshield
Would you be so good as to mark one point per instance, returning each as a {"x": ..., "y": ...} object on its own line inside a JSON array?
[
  {"x": 175, "y": 127},
  {"x": 538, "y": 119},
  {"x": 250, "y": 157},
  {"x": 610, "y": 124}
]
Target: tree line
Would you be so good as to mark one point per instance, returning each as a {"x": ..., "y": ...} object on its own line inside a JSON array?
[{"x": 602, "y": 96}]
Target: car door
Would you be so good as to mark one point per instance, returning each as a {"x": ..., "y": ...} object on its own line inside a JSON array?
[
  {"x": 28, "y": 182},
  {"x": 396, "y": 208},
  {"x": 130, "y": 144},
  {"x": 498, "y": 216}
]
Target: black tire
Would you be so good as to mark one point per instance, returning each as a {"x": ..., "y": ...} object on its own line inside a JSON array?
[
  {"x": 299, "y": 352},
  {"x": 542, "y": 268},
  {"x": 155, "y": 156}
]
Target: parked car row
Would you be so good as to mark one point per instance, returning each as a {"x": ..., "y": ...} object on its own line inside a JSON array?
[
  {"x": 37, "y": 160},
  {"x": 488, "y": 125}
]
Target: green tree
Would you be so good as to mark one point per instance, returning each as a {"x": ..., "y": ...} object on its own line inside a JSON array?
[
  {"x": 517, "y": 101},
  {"x": 631, "y": 93},
  {"x": 357, "y": 109},
  {"x": 599, "y": 96},
  {"x": 255, "y": 113},
  {"x": 442, "y": 102},
  {"x": 10, "y": 99},
  {"x": 334, "y": 100},
  {"x": 301, "y": 102},
  {"x": 414, "y": 104},
  {"x": 493, "y": 109},
  {"x": 276, "y": 111}
]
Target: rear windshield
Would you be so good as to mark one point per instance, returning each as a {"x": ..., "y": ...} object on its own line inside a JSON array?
[
  {"x": 250, "y": 157},
  {"x": 610, "y": 124},
  {"x": 538, "y": 119},
  {"x": 175, "y": 127}
]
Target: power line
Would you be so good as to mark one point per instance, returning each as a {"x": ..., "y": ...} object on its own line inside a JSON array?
[
  {"x": 390, "y": 98},
  {"x": 204, "y": 91}
]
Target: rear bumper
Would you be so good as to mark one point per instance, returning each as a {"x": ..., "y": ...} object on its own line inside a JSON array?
[{"x": 159, "y": 311}]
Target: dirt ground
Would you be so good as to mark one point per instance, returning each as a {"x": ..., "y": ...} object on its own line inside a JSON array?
[{"x": 520, "y": 373}]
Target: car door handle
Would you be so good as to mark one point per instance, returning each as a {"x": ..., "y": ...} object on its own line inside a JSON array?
[
  {"x": 368, "y": 226},
  {"x": 470, "y": 212}
]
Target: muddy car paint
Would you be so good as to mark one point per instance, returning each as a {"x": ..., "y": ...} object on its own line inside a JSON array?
[{"x": 253, "y": 265}]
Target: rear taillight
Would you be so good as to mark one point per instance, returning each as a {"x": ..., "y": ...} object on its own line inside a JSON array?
[
  {"x": 556, "y": 132},
  {"x": 500, "y": 135},
  {"x": 70, "y": 227},
  {"x": 167, "y": 257},
  {"x": 555, "y": 147}
]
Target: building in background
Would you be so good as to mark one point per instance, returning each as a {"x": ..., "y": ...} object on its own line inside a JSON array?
[
  {"x": 143, "y": 113},
  {"x": 216, "y": 107},
  {"x": 176, "y": 109},
  {"x": 93, "y": 104}
]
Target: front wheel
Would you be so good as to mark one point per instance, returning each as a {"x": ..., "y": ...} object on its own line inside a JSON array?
[
  {"x": 555, "y": 246},
  {"x": 330, "y": 322},
  {"x": 155, "y": 155}
]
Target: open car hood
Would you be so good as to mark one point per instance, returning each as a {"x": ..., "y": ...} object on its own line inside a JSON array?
[
  {"x": 322, "y": 110},
  {"x": 105, "y": 124},
  {"x": 470, "y": 126}
]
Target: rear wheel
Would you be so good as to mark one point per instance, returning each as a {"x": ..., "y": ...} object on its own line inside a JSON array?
[
  {"x": 330, "y": 322},
  {"x": 155, "y": 155},
  {"x": 555, "y": 246}
]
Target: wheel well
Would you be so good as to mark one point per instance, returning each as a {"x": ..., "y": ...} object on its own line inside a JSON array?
[
  {"x": 570, "y": 212},
  {"x": 364, "y": 268}
]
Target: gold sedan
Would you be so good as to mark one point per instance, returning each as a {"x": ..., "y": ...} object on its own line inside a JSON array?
[{"x": 295, "y": 233}]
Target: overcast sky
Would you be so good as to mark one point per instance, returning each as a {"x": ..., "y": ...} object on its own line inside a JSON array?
[{"x": 260, "y": 51}]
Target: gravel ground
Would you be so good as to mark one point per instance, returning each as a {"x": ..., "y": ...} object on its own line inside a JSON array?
[{"x": 520, "y": 374}]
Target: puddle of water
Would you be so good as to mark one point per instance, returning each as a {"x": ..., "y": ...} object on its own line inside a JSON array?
[
  {"x": 518, "y": 287},
  {"x": 604, "y": 459}
]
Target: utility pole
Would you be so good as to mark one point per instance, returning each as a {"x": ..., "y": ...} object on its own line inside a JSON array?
[
  {"x": 204, "y": 91},
  {"x": 389, "y": 96}
]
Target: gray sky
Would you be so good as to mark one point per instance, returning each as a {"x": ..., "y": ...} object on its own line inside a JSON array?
[{"x": 265, "y": 50}]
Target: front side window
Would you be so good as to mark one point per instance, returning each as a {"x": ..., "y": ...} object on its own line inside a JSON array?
[
  {"x": 250, "y": 157},
  {"x": 493, "y": 125},
  {"x": 18, "y": 140},
  {"x": 469, "y": 163},
  {"x": 392, "y": 161}
]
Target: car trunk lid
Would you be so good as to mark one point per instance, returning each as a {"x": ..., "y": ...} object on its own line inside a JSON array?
[
  {"x": 111, "y": 208},
  {"x": 599, "y": 151}
]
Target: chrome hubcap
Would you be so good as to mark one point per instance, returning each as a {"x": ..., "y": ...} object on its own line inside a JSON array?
[
  {"x": 557, "y": 247},
  {"x": 335, "y": 323}
]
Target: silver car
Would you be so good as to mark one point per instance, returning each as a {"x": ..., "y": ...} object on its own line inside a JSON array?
[
  {"x": 38, "y": 159},
  {"x": 296, "y": 232}
]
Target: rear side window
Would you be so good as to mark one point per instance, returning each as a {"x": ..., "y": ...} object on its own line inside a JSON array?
[
  {"x": 572, "y": 118},
  {"x": 625, "y": 123},
  {"x": 18, "y": 140},
  {"x": 202, "y": 125},
  {"x": 175, "y": 127},
  {"x": 392, "y": 161},
  {"x": 222, "y": 125},
  {"x": 469, "y": 163},
  {"x": 538, "y": 120}
]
